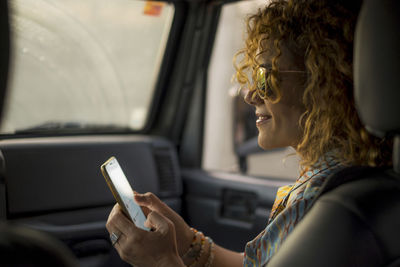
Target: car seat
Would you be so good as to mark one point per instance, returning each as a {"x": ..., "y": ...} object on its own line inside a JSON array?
[
  {"x": 21, "y": 246},
  {"x": 356, "y": 220}
]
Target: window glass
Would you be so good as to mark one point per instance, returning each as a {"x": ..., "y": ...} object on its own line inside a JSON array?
[
  {"x": 230, "y": 123},
  {"x": 84, "y": 63}
]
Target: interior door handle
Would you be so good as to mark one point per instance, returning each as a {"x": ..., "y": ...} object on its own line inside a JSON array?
[{"x": 238, "y": 205}]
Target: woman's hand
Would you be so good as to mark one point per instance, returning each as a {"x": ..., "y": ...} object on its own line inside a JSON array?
[
  {"x": 142, "y": 248},
  {"x": 184, "y": 235}
]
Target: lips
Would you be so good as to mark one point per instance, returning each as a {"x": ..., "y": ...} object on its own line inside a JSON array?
[{"x": 262, "y": 118}]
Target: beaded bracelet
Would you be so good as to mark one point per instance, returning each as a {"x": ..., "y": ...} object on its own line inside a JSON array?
[
  {"x": 211, "y": 253},
  {"x": 194, "y": 248},
  {"x": 198, "y": 256}
]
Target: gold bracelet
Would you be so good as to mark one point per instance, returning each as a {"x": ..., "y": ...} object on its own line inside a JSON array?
[{"x": 211, "y": 253}]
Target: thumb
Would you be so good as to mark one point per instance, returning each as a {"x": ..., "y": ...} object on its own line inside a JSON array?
[
  {"x": 150, "y": 201},
  {"x": 158, "y": 222}
]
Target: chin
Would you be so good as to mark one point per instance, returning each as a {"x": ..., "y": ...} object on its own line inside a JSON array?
[{"x": 266, "y": 143}]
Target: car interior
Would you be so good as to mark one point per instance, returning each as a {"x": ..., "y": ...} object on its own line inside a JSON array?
[{"x": 54, "y": 202}]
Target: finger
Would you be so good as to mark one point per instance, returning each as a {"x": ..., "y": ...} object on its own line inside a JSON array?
[
  {"x": 118, "y": 221},
  {"x": 159, "y": 222},
  {"x": 110, "y": 225},
  {"x": 110, "y": 216},
  {"x": 150, "y": 201},
  {"x": 145, "y": 210},
  {"x": 121, "y": 240},
  {"x": 118, "y": 246}
]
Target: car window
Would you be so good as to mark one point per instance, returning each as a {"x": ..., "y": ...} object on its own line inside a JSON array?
[
  {"x": 230, "y": 127},
  {"x": 84, "y": 63}
]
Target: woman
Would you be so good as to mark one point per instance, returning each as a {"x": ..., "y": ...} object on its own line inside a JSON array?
[{"x": 299, "y": 53}]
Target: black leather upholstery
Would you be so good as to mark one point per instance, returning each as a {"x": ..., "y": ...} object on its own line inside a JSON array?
[
  {"x": 355, "y": 224},
  {"x": 377, "y": 66},
  {"x": 21, "y": 246}
]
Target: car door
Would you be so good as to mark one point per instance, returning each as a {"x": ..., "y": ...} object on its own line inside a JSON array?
[
  {"x": 85, "y": 84},
  {"x": 64, "y": 118}
]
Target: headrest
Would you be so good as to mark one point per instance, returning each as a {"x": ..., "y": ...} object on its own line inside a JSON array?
[
  {"x": 377, "y": 66},
  {"x": 4, "y": 50}
]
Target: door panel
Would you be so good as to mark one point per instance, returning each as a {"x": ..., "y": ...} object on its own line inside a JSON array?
[
  {"x": 55, "y": 185},
  {"x": 230, "y": 208}
]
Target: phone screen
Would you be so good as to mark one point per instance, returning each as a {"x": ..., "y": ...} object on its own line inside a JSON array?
[{"x": 125, "y": 192}]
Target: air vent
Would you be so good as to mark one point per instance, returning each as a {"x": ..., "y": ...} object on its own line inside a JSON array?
[{"x": 167, "y": 171}]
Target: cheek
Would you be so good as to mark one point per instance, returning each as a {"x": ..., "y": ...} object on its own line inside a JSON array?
[
  {"x": 288, "y": 110},
  {"x": 282, "y": 115},
  {"x": 289, "y": 117},
  {"x": 291, "y": 125},
  {"x": 284, "y": 129}
]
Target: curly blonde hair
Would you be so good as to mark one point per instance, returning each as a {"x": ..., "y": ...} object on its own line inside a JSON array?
[{"x": 320, "y": 32}]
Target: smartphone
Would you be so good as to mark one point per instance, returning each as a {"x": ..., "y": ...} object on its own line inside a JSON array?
[{"x": 122, "y": 191}]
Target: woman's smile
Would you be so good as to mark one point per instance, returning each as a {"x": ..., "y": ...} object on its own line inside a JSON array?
[{"x": 262, "y": 118}]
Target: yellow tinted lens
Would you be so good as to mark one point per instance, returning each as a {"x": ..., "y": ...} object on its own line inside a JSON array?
[{"x": 261, "y": 81}]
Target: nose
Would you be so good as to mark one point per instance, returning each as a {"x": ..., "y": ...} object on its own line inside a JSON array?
[{"x": 252, "y": 98}]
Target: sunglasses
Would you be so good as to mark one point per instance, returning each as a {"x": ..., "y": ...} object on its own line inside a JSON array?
[{"x": 263, "y": 81}]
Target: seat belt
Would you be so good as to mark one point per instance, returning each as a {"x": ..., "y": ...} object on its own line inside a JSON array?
[{"x": 348, "y": 175}]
